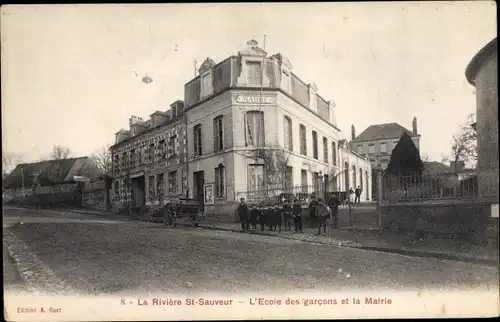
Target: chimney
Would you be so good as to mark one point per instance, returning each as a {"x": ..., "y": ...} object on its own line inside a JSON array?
[
  {"x": 134, "y": 119},
  {"x": 414, "y": 124},
  {"x": 353, "y": 132}
]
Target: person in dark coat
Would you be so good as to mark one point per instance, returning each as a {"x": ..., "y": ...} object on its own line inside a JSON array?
[
  {"x": 278, "y": 217},
  {"x": 357, "y": 192},
  {"x": 261, "y": 218},
  {"x": 269, "y": 215},
  {"x": 287, "y": 215},
  {"x": 254, "y": 215},
  {"x": 323, "y": 213},
  {"x": 243, "y": 213},
  {"x": 313, "y": 208},
  {"x": 334, "y": 204},
  {"x": 297, "y": 215}
]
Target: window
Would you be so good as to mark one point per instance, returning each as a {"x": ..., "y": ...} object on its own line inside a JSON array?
[
  {"x": 197, "y": 140},
  {"x": 219, "y": 181},
  {"x": 162, "y": 147},
  {"x": 361, "y": 179},
  {"x": 288, "y": 133},
  {"x": 218, "y": 134},
  {"x": 255, "y": 128},
  {"x": 117, "y": 189},
  {"x": 303, "y": 140},
  {"x": 172, "y": 182},
  {"x": 206, "y": 85},
  {"x": 151, "y": 186},
  {"x": 151, "y": 153},
  {"x": 334, "y": 153},
  {"x": 316, "y": 181},
  {"x": 124, "y": 160},
  {"x": 288, "y": 177},
  {"x": 172, "y": 146},
  {"x": 360, "y": 149},
  {"x": 371, "y": 148},
  {"x": 116, "y": 163},
  {"x": 315, "y": 144},
  {"x": 132, "y": 158},
  {"x": 160, "y": 184},
  {"x": 254, "y": 73},
  {"x": 354, "y": 177},
  {"x": 140, "y": 156},
  {"x": 383, "y": 147},
  {"x": 325, "y": 149},
  {"x": 303, "y": 180}
]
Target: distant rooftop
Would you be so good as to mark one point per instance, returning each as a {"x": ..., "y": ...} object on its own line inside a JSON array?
[{"x": 387, "y": 131}]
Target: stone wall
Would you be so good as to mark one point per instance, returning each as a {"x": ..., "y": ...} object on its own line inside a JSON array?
[{"x": 470, "y": 220}]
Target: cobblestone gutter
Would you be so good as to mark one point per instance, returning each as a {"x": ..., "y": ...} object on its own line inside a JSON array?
[{"x": 38, "y": 278}]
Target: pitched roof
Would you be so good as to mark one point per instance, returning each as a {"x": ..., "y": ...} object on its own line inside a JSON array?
[
  {"x": 385, "y": 131},
  {"x": 46, "y": 173}
]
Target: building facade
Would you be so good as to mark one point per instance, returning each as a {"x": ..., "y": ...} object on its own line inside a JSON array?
[
  {"x": 378, "y": 141},
  {"x": 252, "y": 125},
  {"x": 482, "y": 72},
  {"x": 149, "y": 160}
]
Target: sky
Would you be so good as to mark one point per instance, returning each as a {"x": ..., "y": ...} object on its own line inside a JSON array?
[{"x": 71, "y": 74}]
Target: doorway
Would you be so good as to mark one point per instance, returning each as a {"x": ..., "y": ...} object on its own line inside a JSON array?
[
  {"x": 198, "y": 183},
  {"x": 138, "y": 192}
]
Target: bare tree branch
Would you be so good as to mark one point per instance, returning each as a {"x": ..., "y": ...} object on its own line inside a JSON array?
[
  {"x": 9, "y": 162},
  {"x": 60, "y": 152},
  {"x": 464, "y": 144},
  {"x": 102, "y": 160},
  {"x": 275, "y": 159}
]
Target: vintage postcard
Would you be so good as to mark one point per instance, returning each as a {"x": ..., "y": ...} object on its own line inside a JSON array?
[{"x": 250, "y": 161}]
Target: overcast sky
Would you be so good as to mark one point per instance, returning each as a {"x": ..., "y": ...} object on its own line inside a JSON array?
[{"x": 69, "y": 72}]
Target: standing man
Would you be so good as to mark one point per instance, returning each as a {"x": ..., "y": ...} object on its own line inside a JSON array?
[
  {"x": 243, "y": 213},
  {"x": 358, "y": 194},
  {"x": 297, "y": 215},
  {"x": 313, "y": 208},
  {"x": 323, "y": 213},
  {"x": 334, "y": 204},
  {"x": 254, "y": 215},
  {"x": 287, "y": 215}
]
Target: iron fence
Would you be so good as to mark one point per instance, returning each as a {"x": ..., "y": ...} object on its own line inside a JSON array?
[
  {"x": 424, "y": 187},
  {"x": 278, "y": 195}
]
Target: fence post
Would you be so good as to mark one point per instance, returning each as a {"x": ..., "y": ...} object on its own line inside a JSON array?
[{"x": 379, "y": 197}]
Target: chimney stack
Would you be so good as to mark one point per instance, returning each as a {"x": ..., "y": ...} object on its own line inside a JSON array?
[
  {"x": 134, "y": 119},
  {"x": 414, "y": 124},
  {"x": 353, "y": 132}
]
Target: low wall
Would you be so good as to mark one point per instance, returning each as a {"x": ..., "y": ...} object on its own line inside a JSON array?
[
  {"x": 469, "y": 220},
  {"x": 57, "y": 200}
]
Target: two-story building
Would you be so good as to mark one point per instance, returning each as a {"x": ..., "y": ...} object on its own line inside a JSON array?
[
  {"x": 149, "y": 160},
  {"x": 253, "y": 125},
  {"x": 378, "y": 141}
]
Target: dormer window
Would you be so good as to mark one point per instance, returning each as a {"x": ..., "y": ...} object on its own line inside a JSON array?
[
  {"x": 206, "y": 85},
  {"x": 254, "y": 72}
]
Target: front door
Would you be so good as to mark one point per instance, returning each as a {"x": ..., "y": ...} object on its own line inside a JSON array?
[{"x": 199, "y": 182}]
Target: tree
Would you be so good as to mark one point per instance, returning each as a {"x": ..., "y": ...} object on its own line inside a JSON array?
[
  {"x": 9, "y": 162},
  {"x": 275, "y": 160},
  {"x": 405, "y": 157},
  {"x": 101, "y": 159},
  {"x": 60, "y": 152},
  {"x": 464, "y": 144}
]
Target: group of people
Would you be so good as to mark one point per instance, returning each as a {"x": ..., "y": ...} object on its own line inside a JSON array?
[{"x": 287, "y": 214}]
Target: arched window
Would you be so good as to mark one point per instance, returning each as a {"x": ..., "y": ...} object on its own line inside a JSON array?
[
  {"x": 354, "y": 177},
  {"x": 334, "y": 153},
  {"x": 219, "y": 181},
  {"x": 254, "y": 128},
  {"x": 288, "y": 133}
]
